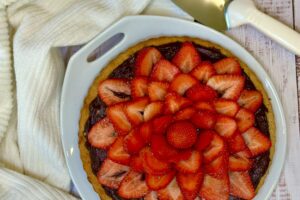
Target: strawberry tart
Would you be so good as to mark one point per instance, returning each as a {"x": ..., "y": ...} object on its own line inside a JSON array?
[{"x": 176, "y": 118}]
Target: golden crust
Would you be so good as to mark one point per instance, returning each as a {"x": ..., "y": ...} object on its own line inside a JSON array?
[{"x": 92, "y": 93}]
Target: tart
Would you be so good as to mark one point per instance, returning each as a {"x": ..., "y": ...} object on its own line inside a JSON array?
[{"x": 176, "y": 118}]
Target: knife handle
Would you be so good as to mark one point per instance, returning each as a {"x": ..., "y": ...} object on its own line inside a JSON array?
[{"x": 244, "y": 12}]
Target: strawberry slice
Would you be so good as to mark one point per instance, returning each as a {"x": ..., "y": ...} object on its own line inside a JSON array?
[
  {"x": 203, "y": 71},
  {"x": 112, "y": 91},
  {"x": 201, "y": 93},
  {"x": 256, "y": 141},
  {"x": 181, "y": 155},
  {"x": 204, "y": 139},
  {"x": 136, "y": 163},
  {"x": 250, "y": 99},
  {"x": 240, "y": 161},
  {"x": 164, "y": 70},
  {"x": 160, "y": 124},
  {"x": 134, "y": 110},
  {"x": 172, "y": 191},
  {"x": 133, "y": 186},
  {"x": 241, "y": 185},
  {"x": 185, "y": 114},
  {"x": 175, "y": 102},
  {"x": 182, "y": 82},
  {"x": 218, "y": 167},
  {"x": 191, "y": 165},
  {"x": 215, "y": 148},
  {"x": 161, "y": 149},
  {"x": 157, "y": 90},
  {"x": 182, "y": 134},
  {"x": 215, "y": 188},
  {"x": 230, "y": 86},
  {"x": 226, "y": 107},
  {"x": 236, "y": 143},
  {"x": 225, "y": 126},
  {"x": 133, "y": 142},
  {"x": 139, "y": 87},
  {"x": 102, "y": 134},
  {"x": 146, "y": 131},
  {"x": 204, "y": 105},
  {"x": 156, "y": 182},
  {"x": 145, "y": 60},
  {"x": 190, "y": 184},
  {"x": 117, "y": 117},
  {"x": 204, "y": 119},
  {"x": 151, "y": 196},
  {"x": 228, "y": 66},
  {"x": 245, "y": 119},
  {"x": 111, "y": 173},
  {"x": 187, "y": 58},
  {"x": 152, "y": 110},
  {"x": 117, "y": 153}
]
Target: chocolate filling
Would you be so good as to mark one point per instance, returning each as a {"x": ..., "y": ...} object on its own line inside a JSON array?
[{"x": 126, "y": 70}]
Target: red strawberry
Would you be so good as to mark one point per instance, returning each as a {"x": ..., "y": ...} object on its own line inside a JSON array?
[
  {"x": 118, "y": 118},
  {"x": 133, "y": 142},
  {"x": 218, "y": 167},
  {"x": 156, "y": 182},
  {"x": 102, "y": 134},
  {"x": 152, "y": 195},
  {"x": 187, "y": 58},
  {"x": 182, "y": 134},
  {"x": 152, "y": 110},
  {"x": 190, "y": 184},
  {"x": 157, "y": 90},
  {"x": 236, "y": 143},
  {"x": 161, "y": 149},
  {"x": 215, "y": 188},
  {"x": 245, "y": 119},
  {"x": 139, "y": 87},
  {"x": 181, "y": 155},
  {"x": 204, "y": 119},
  {"x": 225, "y": 126},
  {"x": 203, "y": 105},
  {"x": 117, "y": 153},
  {"x": 145, "y": 60},
  {"x": 160, "y": 124},
  {"x": 182, "y": 82},
  {"x": 228, "y": 66},
  {"x": 226, "y": 107},
  {"x": 191, "y": 165},
  {"x": 175, "y": 102},
  {"x": 133, "y": 186},
  {"x": 201, "y": 93},
  {"x": 256, "y": 141},
  {"x": 250, "y": 99},
  {"x": 240, "y": 161},
  {"x": 203, "y": 71},
  {"x": 204, "y": 139},
  {"x": 172, "y": 191},
  {"x": 215, "y": 148},
  {"x": 111, "y": 173},
  {"x": 134, "y": 110},
  {"x": 164, "y": 71},
  {"x": 230, "y": 86},
  {"x": 146, "y": 131},
  {"x": 241, "y": 185},
  {"x": 185, "y": 114},
  {"x": 112, "y": 91},
  {"x": 136, "y": 163}
]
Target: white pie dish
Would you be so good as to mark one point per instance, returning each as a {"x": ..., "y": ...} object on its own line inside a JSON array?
[{"x": 80, "y": 74}]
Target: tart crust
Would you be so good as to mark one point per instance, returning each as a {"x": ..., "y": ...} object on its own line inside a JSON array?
[{"x": 92, "y": 93}]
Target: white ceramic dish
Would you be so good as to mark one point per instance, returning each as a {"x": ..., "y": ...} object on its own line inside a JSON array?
[{"x": 80, "y": 75}]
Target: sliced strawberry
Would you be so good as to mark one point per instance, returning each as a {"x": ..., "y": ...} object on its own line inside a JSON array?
[
  {"x": 215, "y": 188},
  {"x": 133, "y": 186},
  {"x": 201, "y": 93},
  {"x": 136, "y": 163},
  {"x": 161, "y": 149},
  {"x": 139, "y": 87},
  {"x": 250, "y": 99},
  {"x": 215, "y": 148},
  {"x": 236, "y": 143},
  {"x": 160, "y": 124},
  {"x": 226, "y": 107},
  {"x": 182, "y": 82},
  {"x": 146, "y": 131},
  {"x": 204, "y": 119},
  {"x": 240, "y": 161},
  {"x": 245, "y": 119},
  {"x": 182, "y": 134},
  {"x": 204, "y": 139},
  {"x": 185, "y": 114},
  {"x": 187, "y": 58},
  {"x": 229, "y": 86},
  {"x": 191, "y": 165},
  {"x": 134, "y": 110},
  {"x": 225, "y": 126},
  {"x": 133, "y": 142},
  {"x": 152, "y": 195},
  {"x": 172, "y": 191},
  {"x": 190, "y": 184},
  {"x": 203, "y": 71},
  {"x": 152, "y": 110},
  {"x": 218, "y": 167},
  {"x": 175, "y": 102},
  {"x": 241, "y": 185},
  {"x": 256, "y": 141},
  {"x": 164, "y": 70},
  {"x": 117, "y": 116},
  {"x": 117, "y": 153},
  {"x": 156, "y": 182},
  {"x": 181, "y": 155},
  {"x": 111, "y": 173},
  {"x": 102, "y": 134},
  {"x": 228, "y": 66},
  {"x": 145, "y": 60},
  {"x": 204, "y": 105},
  {"x": 112, "y": 91},
  {"x": 157, "y": 90}
]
